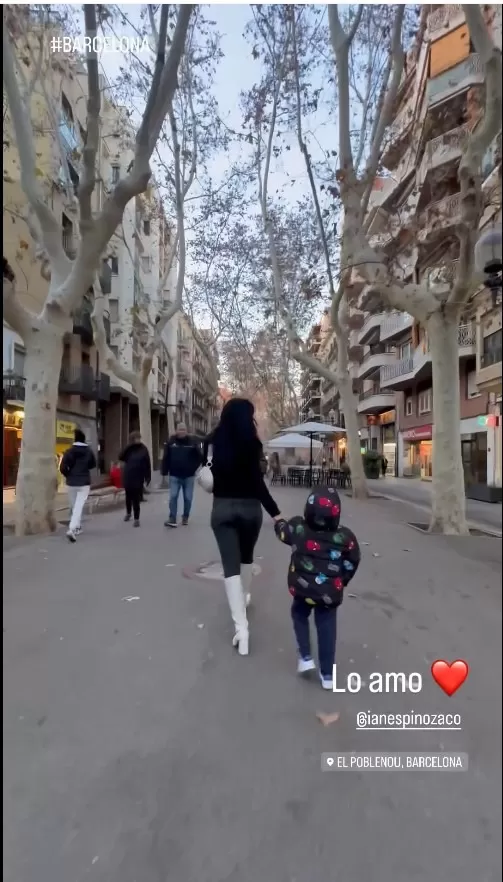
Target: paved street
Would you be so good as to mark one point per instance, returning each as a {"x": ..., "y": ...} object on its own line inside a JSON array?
[
  {"x": 419, "y": 492},
  {"x": 140, "y": 748}
]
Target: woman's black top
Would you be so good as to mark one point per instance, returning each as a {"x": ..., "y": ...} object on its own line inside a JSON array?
[{"x": 241, "y": 478}]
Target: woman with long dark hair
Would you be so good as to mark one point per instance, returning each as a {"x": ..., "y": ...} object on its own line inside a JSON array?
[{"x": 239, "y": 492}]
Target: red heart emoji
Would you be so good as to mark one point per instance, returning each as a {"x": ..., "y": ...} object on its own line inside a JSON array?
[{"x": 449, "y": 676}]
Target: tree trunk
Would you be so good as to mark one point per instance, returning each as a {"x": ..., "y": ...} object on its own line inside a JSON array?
[
  {"x": 358, "y": 479},
  {"x": 37, "y": 483},
  {"x": 143, "y": 394},
  {"x": 448, "y": 513}
]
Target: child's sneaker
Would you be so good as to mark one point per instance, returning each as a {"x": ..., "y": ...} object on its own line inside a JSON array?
[
  {"x": 304, "y": 665},
  {"x": 327, "y": 682}
]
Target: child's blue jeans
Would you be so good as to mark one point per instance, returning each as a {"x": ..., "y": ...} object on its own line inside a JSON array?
[{"x": 325, "y": 620}]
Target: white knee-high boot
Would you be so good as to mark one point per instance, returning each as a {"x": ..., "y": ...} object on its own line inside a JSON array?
[
  {"x": 246, "y": 578},
  {"x": 236, "y": 600}
]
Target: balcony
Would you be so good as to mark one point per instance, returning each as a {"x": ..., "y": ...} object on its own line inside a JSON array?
[
  {"x": 406, "y": 371},
  {"x": 82, "y": 324},
  {"x": 440, "y": 278},
  {"x": 371, "y": 328},
  {"x": 13, "y": 388},
  {"x": 441, "y": 150},
  {"x": 375, "y": 400},
  {"x": 69, "y": 245},
  {"x": 395, "y": 324},
  {"x": 464, "y": 75},
  {"x": 398, "y": 136},
  {"x": 329, "y": 394},
  {"x": 443, "y": 20},
  {"x": 374, "y": 360},
  {"x": 355, "y": 353},
  {"x": 439, "y": 217},
  {"x": 78, "y": 381}
]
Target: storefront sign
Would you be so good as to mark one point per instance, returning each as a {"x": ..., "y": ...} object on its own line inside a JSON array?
[
  {"x": 65, "y": 430},
  {"x": 420, "y": 433},
  {"x": 372, "y": 420}
]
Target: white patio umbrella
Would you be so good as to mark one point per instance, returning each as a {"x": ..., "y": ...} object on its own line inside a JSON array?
[
  {"x": 292, "y": 440},
  {"x": 311, "y": 428}
]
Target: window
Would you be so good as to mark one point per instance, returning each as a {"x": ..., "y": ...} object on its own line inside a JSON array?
[
  {"x": 409, "y": 407},
  {"x": 114, "y": 310},
  {"x": 146, "y": 263},
  {"x": 19, "y": 356},
  {"x": 492, "y": 349},
  {"x": 406, "y": 349},
  {"x": 472, "y": 390},
  {"x": 115, "y": 351},
  {"x": 116, "y": 171},
  {"x": 146, "y": 227},
  {"x": 424, "y": 401},
  {"x": 114, "y": 263}
]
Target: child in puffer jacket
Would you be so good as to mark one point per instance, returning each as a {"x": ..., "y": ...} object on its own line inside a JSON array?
[{"x": 325, "y": 558}]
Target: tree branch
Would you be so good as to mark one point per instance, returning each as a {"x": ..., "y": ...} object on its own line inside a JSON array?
[{"x": 88, "y": 177}]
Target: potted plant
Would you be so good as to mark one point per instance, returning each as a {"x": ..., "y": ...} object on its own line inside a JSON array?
[{"x": 372, "y": 463}]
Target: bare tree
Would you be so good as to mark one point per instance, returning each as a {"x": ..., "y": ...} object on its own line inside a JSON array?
[{"x": 71, "y": 279}]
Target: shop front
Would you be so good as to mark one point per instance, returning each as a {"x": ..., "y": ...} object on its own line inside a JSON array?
[
  {"x": 388, "y": 440},
  {"x": 417, "y": 452},
  {"x": 12, "y": 436}
]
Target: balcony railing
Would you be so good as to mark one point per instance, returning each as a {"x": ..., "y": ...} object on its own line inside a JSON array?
[
  {"x": 465, "y": 74},
  {"x": 395, "y": 323},
  {"x": 439, "y": 215},
  {"x": 369, "y": 393},
  {"x": 467, "y": 335},
  {"x": 14, "y": 387},
  {"x": 493, "y": 356},
  {"x": 78, "y": 381},
  {"x": 443, "y": 19},
  {"x": 82, "y": 323},
  {"x": 442, "y": 275}
]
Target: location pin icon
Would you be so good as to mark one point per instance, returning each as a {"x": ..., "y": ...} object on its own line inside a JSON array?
[{"x": 330, "y": 761}]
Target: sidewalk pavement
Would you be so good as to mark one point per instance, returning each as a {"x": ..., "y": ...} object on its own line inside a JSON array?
[
  {"x": 139, "y": 747},
  {"x": 418, "y": 493}
]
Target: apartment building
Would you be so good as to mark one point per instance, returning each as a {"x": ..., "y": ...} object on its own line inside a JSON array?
[
  {"x": 137, "y": 259},
  {"x": 83, "y": 388},
  {"x": 311, "y": 383},
  {"x": 414, "y": 210},
  {"x": 197, "y": 392}
]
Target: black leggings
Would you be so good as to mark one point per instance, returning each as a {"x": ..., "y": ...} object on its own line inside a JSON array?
[
  {"x": 236, "y": 524},
  {"x": 133, "y": 499}
]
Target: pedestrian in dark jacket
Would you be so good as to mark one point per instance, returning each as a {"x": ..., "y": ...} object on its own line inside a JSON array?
[
  {"x": 325, "y": 558},
  {"x": 136, "y": 472},
  {"x": 76, "y": 467},
  {"x": 181, "y": 460}
]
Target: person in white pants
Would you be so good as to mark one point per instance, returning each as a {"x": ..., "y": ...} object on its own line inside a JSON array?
[
  {"x": 76, "y": 466},
  {"x": 78, "y": 498}
]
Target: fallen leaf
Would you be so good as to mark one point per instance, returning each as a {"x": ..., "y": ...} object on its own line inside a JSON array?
[
  {"x": 169, "y": 565},
  {"x": 129, "y": 599},
  {"x": 200, "y": 626},
  {"x": 406, "y": 549},
  {"x": 328, "y": 719},
  {"x": 376, "y": 554},
  {"x": 364, "y": 543},
  {"x": 352, "y": 595}
]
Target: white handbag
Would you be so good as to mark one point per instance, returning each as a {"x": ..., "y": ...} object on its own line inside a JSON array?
[{"x": 205, "y": 474}]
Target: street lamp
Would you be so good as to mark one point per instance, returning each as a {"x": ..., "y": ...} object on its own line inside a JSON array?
[{"x": 488, "y": 260}]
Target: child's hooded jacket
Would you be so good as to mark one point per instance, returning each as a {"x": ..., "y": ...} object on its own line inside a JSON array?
[{"x": 325, "y": 555}]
